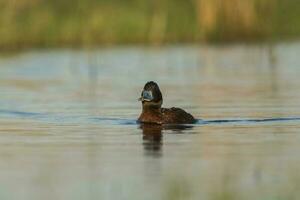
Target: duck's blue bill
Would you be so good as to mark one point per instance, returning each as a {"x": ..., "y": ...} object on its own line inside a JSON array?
[{"x": 146, "y": 96}]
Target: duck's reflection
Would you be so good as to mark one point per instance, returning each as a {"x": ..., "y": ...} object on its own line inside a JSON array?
[{"x": 153, "y": 136}]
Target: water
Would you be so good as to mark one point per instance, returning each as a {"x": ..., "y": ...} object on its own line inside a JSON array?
[{"x": 68, "y": 123}]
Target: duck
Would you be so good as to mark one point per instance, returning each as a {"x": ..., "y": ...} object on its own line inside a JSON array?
[{"x": 152, "y": 111}]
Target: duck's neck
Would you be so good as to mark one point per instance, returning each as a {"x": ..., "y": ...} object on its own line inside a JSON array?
[
  {"x": 151, "y": 115},
  {"x": 150, "y": 109}
]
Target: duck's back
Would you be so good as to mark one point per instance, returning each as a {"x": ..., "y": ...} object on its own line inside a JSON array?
[{"x": 176, "y": 116}]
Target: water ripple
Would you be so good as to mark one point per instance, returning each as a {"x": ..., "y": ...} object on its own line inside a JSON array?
[{"x": 47, "y": 117}]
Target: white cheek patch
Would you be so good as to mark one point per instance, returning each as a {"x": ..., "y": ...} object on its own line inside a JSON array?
[{"x": 147, "y": 95}]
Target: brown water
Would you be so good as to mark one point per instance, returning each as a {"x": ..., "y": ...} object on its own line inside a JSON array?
[{"x": 68, "y": 129}]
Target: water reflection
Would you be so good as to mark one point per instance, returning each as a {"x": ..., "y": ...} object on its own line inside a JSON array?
[
  {"x": 152, "y": 139},
  {"x": 153, "y": 136}
]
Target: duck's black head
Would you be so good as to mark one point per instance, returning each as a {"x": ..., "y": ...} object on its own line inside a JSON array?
[{"x": 151, "y": 95}]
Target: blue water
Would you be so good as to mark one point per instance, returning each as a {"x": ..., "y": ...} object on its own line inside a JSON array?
[
  {"x": 118, "y": 121},
  {"x": 68, "y": 126}
]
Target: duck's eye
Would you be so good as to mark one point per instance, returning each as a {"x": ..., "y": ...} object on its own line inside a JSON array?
[{"x": 147, "y": 95}]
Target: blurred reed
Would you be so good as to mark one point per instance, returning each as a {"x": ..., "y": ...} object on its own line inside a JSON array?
[
  {"x": 229, "y": 19},
  {"x": 59, "y": 23}
]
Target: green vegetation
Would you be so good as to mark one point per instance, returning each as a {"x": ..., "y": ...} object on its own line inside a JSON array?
[{"x": 49, "y": 23}]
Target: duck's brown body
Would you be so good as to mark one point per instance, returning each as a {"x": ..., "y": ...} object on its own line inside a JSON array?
[
  {"x": 166, "y": 116},
  {"x": 152, "y": 112}
]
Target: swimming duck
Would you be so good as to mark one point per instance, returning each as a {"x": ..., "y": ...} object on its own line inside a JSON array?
[{"x": 152, "y": 112}]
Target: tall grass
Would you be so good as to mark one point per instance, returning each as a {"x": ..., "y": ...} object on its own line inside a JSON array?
[
  {"x": 47, "y": 23},
  {"x": 234, "y": 19}
]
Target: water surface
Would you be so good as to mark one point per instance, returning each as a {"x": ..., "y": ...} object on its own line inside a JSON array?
[{"x": 68, "y": 123}]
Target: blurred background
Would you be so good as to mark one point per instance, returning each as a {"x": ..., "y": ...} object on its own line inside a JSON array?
[{"x": 78, "y": 23}]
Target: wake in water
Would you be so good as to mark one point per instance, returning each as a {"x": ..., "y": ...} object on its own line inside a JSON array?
[
  {"x": 52, "y": 118},
  {"x": 237, "y": 121}
]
